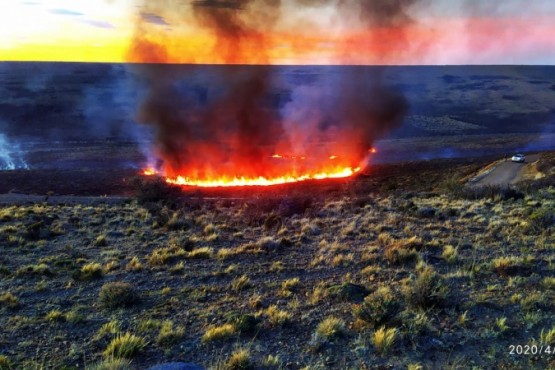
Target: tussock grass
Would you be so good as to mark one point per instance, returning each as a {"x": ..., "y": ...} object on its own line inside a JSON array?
[
  {"x": 331, "y": 327},
  {"x": 240, "y": 359},
  {"x": 169, "y": 335},
  {"x": 221, "y": 332},
  {"x": 8, "y": 300},
  {"x": 241, "y": 283},
  {"x": 124, "y": 346},
  {"x": 277, "y": 317},
  {"x": 383, "y": 339}
]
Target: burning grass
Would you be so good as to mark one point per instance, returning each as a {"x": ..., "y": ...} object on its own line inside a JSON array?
[{"x": 336, "y": 274}]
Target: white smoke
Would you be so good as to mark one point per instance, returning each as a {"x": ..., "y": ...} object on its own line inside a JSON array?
[{"x": 11, "y": 157}]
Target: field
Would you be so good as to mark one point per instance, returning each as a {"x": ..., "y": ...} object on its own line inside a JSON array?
[{"x": 402, "y": 267}]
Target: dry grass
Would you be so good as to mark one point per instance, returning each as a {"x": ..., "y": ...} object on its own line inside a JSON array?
[{"x": 404, "y": 275}]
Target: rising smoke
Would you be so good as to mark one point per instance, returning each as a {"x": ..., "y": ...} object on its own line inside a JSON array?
[
  {"x": 11, "y": 156},
  {"x": 233, "y": 129}
]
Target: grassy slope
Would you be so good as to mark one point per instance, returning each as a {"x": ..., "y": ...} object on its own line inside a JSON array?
[{"x": 458, "y": 280}]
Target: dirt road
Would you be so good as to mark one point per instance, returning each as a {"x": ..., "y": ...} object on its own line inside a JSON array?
[{"x": 505, "y": 172}]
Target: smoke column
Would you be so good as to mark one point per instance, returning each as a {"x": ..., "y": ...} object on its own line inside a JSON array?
[
  {"x": 11, "y": 157},
  {"x": 233, "y": 130}
]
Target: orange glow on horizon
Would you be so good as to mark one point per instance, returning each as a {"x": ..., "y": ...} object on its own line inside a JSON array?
[{"x": 479, "y": 40}]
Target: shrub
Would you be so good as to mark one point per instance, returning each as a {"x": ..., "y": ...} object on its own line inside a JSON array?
[
  {"x": 379, "y": 307},
  {"x": 162, "y": 256},
  {"x": 244, "y": 323},
  {"x": 240, "y": 359},
  {"x": 169, "y": 335},
  {"x": 541, "y": 219},
  {"x": 450, "y": 254},
  {"x": 383, "y": 339},
  {"x": 547, "y": 338},
  {"x": 124, "y": 346},
  {"x": 55, "y": 315},
  {"x": 117, "y": 294},
  {"x": 100, "y": 241},
  {"x": 154, "y": 189},
  {"x": 290, "y": 285},
  {"x": 277, "y": 317},
  {"x": 40, "y": 269},
  {"x": 219, "y": 332},
  {"x": 397, "y": 254},
  {"x": 134, "y": 264},
  {"x": 90, "y": 271},
  {"x": 331, "y": 327},
  {"x": 240, "y": 283},
  {"x": 5, "y": 363},
  {"x": 201, "y": 253},
  {"x": 427, "y": 290},
  {"x": 9, "y": 300}
]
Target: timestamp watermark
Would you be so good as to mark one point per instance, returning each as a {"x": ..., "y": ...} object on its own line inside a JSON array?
[{"x": 531, "y": 349}]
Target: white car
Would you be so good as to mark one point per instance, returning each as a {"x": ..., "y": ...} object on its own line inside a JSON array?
[{"x": 518, "y": 158}]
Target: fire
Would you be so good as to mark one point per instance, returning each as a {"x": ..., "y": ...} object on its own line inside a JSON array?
[
  {"x": 277, "y": 169},
  {"x": 149, "y": 172},
  {"x": 261, "y": 181}
]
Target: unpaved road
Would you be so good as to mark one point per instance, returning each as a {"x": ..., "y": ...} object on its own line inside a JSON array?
[{"x": 506, "y": 173}]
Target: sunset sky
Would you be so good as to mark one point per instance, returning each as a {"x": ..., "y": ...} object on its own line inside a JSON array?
[{"x": 440, "y": 32}]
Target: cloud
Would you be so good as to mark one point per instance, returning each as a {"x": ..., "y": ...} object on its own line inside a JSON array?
[
  {"x": 65, "y": 12},
  {"x": 154, "y": 19},
  {"x": 99, "y": 24}
]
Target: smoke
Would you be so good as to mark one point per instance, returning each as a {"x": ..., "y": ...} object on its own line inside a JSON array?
[
  {"x": 233, "y": 128},
  {"x": 11, "y": 157}
]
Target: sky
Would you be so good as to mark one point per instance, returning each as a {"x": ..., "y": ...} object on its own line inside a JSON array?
[{"x": 435, "y": 32}]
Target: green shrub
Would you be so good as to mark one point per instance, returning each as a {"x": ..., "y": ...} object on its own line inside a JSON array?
[
  {"x": 541, "y": 219},
  {"x": 379, "y": 307},
  {"x": 427, "y": 290},
  {"x": 117, "y": 294}
]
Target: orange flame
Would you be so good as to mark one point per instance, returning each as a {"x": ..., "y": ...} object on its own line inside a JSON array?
[
  {"x": 261, "y": 181},
  {"x": 149, "y": 172}
]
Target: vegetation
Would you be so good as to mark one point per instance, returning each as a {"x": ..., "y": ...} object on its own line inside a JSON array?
[{"x": 354, "y": 274}]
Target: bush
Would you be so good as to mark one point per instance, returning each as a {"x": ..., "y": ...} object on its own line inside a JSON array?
[
  {"x": 383, "y": 339},
  {"x": 8, "y": 300},
  {"x": 5, "y": 363},
  {"x": 90, "y": 271},
  {"x": 155, "y": 190},
  {"x": 169, "y": 335},
  {"x": 379, "y": 307},
  {"x": 117, "y": 294},
  {"x": 541, "y": 219},
  {"x": 331, "y": 327},
  {"x": 427, "y": 290},
  {"x": 219, "y": 332},
  {"x": 245, "y": 324},
  {"x": 239, "y": 360}
]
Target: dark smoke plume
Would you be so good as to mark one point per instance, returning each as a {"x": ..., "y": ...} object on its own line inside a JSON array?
[{"x": 232, "y": 128}]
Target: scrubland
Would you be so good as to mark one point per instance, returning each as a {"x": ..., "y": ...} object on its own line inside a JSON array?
[{"x": 390, "y": 276}]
